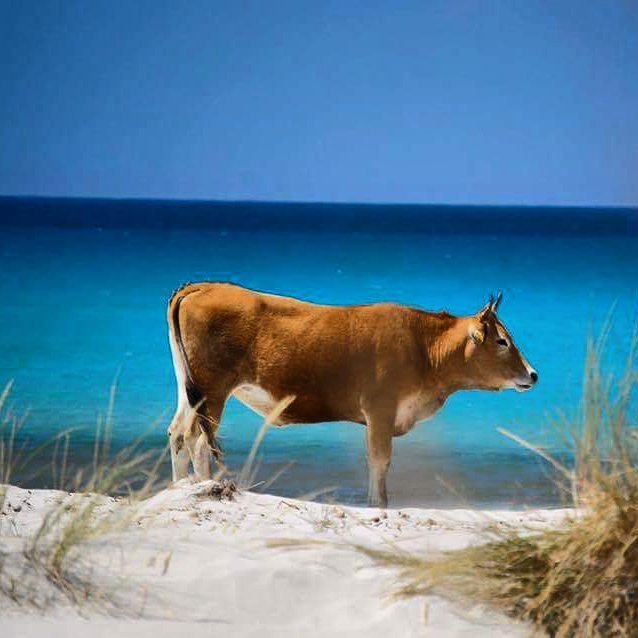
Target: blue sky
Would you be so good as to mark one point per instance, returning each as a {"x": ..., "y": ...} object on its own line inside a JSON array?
[{"x": 512, "y": 102}]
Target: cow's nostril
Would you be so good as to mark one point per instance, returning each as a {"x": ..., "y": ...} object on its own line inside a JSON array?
[{"x": 533, "y": 376}]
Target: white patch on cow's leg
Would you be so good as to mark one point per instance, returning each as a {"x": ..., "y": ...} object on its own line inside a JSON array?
[
  {"x": 180, "y": 462},
  {"x": 201, "y": 458},
  {"x": 179, "y": 453}
]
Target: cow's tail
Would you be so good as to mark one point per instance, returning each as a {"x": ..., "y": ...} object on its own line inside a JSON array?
[{"x": 190, "y": 398}]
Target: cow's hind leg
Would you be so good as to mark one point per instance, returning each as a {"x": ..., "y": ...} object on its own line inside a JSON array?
[
  {"x": 179, "y": 453},
  {"x": 200, "y": 437}
]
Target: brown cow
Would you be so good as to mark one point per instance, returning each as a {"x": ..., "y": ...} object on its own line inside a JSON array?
[{"x": 385, "y": 366}]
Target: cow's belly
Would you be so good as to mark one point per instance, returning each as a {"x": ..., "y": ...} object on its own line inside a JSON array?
[{"x": 304, "y": 409}]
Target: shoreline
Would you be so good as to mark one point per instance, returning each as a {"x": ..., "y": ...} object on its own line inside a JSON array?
[{"x": 255, "y": 564}]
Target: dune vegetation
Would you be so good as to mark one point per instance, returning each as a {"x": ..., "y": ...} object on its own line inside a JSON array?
[
  {"x": 80, "y": 512},
  {"x": 580, "y": 579}
]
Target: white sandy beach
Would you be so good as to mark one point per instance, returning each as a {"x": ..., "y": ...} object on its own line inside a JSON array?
[{"x": 190, "y": 562}]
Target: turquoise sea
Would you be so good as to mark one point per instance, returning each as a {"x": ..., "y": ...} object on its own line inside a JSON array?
[{"x": 83, "y": 295}]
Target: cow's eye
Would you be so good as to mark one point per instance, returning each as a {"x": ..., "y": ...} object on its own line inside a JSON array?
[{"x": 502, "y": 342}]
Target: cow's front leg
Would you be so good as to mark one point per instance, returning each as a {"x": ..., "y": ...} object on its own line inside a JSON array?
[{"x": 379, "y": 441}]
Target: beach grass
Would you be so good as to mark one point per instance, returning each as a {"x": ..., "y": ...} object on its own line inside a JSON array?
[
  {"x": 10, "y": 425},
  {"x": 580, "y": 579},
  {"x": 83, "y": 511},
  {"x": 93, "y": 502}
]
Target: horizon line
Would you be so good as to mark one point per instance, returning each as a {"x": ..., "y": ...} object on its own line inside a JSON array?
[{"x": 614, "y": 207}]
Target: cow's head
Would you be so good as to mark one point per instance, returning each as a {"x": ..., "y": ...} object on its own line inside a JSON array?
[{"x": 494, "y": 361}]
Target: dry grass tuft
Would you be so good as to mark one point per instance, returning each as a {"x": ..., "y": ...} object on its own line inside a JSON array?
[
  {"x": 57, "y": 549},
  {"x": 10, "y": 426},
  {"x": 82, "y": 514},
  {"x": 580, "y": 579}
]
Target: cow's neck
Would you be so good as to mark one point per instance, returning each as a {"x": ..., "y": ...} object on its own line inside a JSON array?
[{"x": 445, "y": 350}]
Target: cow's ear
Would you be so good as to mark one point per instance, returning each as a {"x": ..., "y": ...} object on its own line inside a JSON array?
[
  {"x": 475, "y": 338},
  {"x": 477, "y": 333}
]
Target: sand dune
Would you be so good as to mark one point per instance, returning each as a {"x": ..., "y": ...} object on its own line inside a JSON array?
[{"x": 188, "y": 561}]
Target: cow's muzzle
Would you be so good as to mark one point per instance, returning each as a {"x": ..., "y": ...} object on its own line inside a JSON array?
[{"x": 526, "y": 383}]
